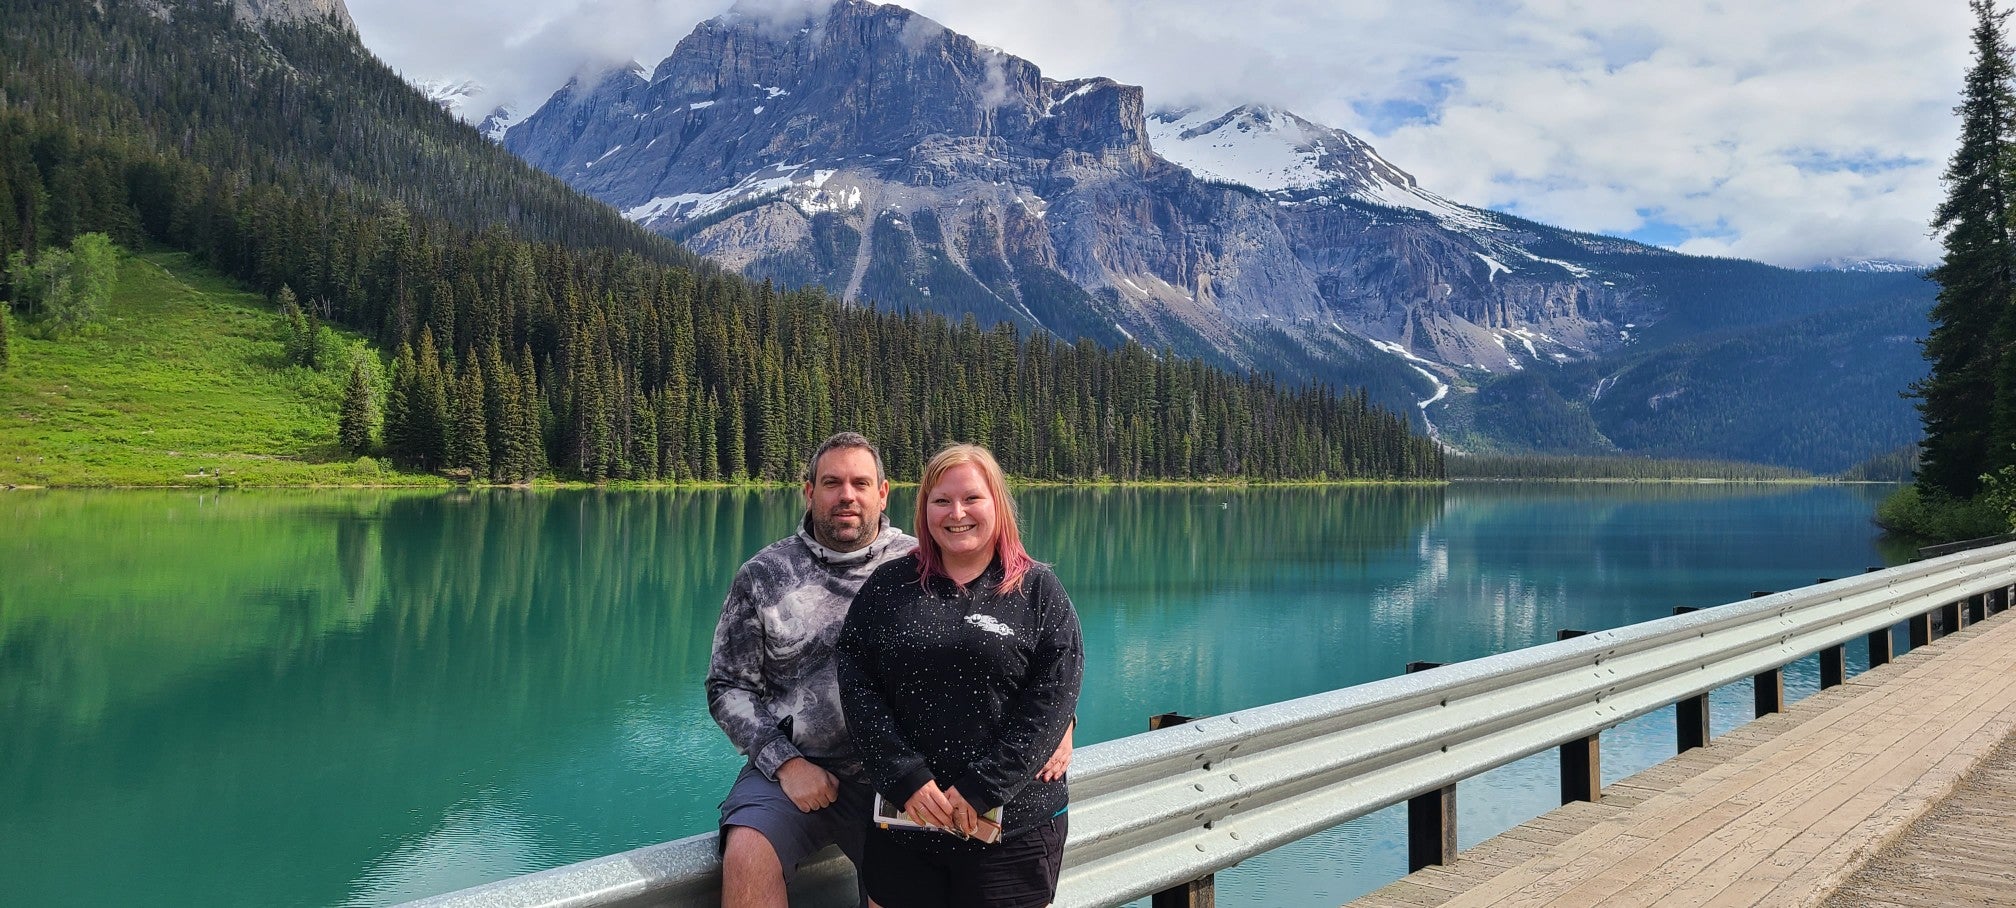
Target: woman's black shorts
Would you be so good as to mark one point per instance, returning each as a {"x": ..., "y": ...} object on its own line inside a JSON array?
[{"x": 1019, "y": 872}]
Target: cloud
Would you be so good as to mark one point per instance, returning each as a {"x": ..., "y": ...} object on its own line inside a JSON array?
[
  {"x": 1791, "y": 131},
  {"x": 522, "y": 51}
]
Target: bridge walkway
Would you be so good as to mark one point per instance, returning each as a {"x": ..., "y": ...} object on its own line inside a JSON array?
[{"x": 1795, "y": 808}]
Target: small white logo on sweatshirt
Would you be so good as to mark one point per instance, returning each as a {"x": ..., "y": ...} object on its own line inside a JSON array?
[{"x": 990, "y": 625}]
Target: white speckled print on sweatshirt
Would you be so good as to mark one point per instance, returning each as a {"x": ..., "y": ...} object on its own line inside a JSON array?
[
  {"x": 967, "y": 686},
  {"x": 771, "y": 683}
]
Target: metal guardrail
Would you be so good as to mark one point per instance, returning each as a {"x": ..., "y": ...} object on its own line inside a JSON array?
[
  {"x": 1934, "y": 551},
  {"x": 1156, "y": 810}
]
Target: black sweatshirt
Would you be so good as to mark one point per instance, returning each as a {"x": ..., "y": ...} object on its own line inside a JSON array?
[{"x": 965, "y": 686}]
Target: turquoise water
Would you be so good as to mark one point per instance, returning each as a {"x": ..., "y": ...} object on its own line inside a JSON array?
[{"x": 310, "y": 698}]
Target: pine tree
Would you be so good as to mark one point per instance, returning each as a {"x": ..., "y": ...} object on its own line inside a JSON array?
[
  {"x": 400, "y": 435},
  {"x": 299, "y": 344},
  {"x": 353, "y": 428},
  {"x": 498, "y": 384},
  {"x": 469, "y": 434},
  {"x": 1958, "y": 400},
  {"x": 529, "y": 434},
  {"x": 429, "y": 404}
]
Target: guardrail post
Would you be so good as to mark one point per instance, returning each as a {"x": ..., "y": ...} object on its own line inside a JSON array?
[
  {"x": 1198, "y": 893},
  {"x": 1949, "y": 618},
  {"x": 1881, "y": 648},
  {"x": 1769, "y": 687},
  {"x": 1431, "y": 817},
  {"x": 1194, "y": 894},
  {"x": 1833, "y": 666},
  {"x": 1582, "y": 770},
  {"x": 1581, "y": 760},
  {"x": 1921, "y": 630},
  {"x": 1977, "y": 608},
  {"x": 1431, "y": 829},
  {"x": 1691, "y": 714}
]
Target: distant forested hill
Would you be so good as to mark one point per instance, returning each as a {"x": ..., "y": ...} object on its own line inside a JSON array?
[{"x": 537, "y": 331}]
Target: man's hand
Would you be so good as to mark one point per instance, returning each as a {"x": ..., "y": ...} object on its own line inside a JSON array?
[
  {"x": 1054, "y": 768},
  {"x": 807, "y": 784},
  {"x": 929, "y": 805}
]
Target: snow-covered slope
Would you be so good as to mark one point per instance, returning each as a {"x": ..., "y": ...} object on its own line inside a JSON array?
[
  {"x": 1871, "y": 266},
  {"x": 1277, "y": 152},
  {"x": 452, "y": 94},
  {"x": 462, "y": 98}
]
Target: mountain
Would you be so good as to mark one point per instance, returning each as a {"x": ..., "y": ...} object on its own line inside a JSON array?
[
  {"x": 453, "y": 95},
  {"x": 456, "y": 96},
  {"x": 534, "y": 328},
  {"x": 870, "y": 151}
]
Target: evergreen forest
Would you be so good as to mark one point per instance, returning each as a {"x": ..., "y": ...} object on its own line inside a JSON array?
[{"x": 534, "y": 332}]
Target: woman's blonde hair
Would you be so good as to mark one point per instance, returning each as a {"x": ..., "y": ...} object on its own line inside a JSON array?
[{"x": 1015, "y": 560}]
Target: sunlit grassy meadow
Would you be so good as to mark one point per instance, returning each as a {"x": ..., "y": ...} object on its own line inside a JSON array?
[{"x": 181, "y": 383}]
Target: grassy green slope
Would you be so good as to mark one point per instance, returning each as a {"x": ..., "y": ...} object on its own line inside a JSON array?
[{"x": 184, "y": 385}]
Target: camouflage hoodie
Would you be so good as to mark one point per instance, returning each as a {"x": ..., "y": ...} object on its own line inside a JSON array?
[{"x": 771, "y": 684}]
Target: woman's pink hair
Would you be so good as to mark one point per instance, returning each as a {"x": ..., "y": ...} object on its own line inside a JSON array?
[{"x": 1015, "y": 560}]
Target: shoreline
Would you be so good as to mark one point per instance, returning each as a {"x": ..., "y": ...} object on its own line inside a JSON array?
[{"x": 446, "y": 485}]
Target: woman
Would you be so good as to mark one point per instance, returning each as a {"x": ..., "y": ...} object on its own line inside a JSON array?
[{"x": 959, "y": 668}]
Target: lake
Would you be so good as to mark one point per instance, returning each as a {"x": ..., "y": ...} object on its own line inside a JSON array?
[{"x": 361, "y": 697}]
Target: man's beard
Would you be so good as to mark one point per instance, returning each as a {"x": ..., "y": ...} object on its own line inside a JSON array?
[{"x": 837, "y": 536}]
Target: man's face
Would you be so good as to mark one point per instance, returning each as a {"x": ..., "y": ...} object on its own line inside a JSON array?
[{"x": 845, "y": 500}]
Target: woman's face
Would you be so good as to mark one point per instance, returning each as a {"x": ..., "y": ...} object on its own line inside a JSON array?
[{"x": 960, "y": 515}]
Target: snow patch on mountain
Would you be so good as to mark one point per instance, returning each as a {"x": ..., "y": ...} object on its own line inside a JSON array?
[
  {"x": 452, "y": 95},
  {"x": 787, "y": 180},
  {"x": 1495, "y": 265},
  {"x": 500, "y": 122},
  {"x": 1277, "y": 152},
  {"x": 1881, "y": 266},
  {"x": 1250, "y": 145}
]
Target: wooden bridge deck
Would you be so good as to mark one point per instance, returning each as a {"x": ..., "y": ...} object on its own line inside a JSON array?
[{"x": 1894, "y": 789}]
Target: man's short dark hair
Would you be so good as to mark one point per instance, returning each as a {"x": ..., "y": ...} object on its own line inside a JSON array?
[{"x": 845, "y": 440}]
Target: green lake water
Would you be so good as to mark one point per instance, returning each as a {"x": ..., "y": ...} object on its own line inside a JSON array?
[{"x": 356, "y": 698}]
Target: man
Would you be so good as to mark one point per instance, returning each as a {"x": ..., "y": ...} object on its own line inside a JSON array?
[{"x": 772, "y": 685}]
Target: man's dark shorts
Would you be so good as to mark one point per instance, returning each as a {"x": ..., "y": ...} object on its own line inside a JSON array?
[
  {"x": 1020, "y": 872},
  {"x": 760, "y": 804}
]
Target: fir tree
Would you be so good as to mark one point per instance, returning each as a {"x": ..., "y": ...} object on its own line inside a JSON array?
[
  {"x": 469, "y": 435},
  {"x": 428, "y": 413},
  {"x": 298, "y": 344},
  {"x": 500, "y": 392},
  {"x": 401, "y": 440},
  {"x": 529, "y": 435},
  {"x": 1959, "y": 399},
  {"x": 353, "y": 428}
]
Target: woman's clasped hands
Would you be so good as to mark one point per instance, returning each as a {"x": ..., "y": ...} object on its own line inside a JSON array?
[{"x": 943, "y": 807}]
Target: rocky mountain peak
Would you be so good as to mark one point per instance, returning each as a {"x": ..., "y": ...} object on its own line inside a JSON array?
[
  {"x": 1272, "y": 149},
  {"x": 292, "y": 11}
]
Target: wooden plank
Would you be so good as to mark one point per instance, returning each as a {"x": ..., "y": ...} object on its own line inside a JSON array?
[{"x": 1774, "y": 809}]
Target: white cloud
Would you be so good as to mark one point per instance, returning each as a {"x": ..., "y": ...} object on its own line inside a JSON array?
[{"x": 1790, "y": 131}]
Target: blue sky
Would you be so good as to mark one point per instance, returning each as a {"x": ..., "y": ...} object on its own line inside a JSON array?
[{"x": 1792, "y": 131}]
